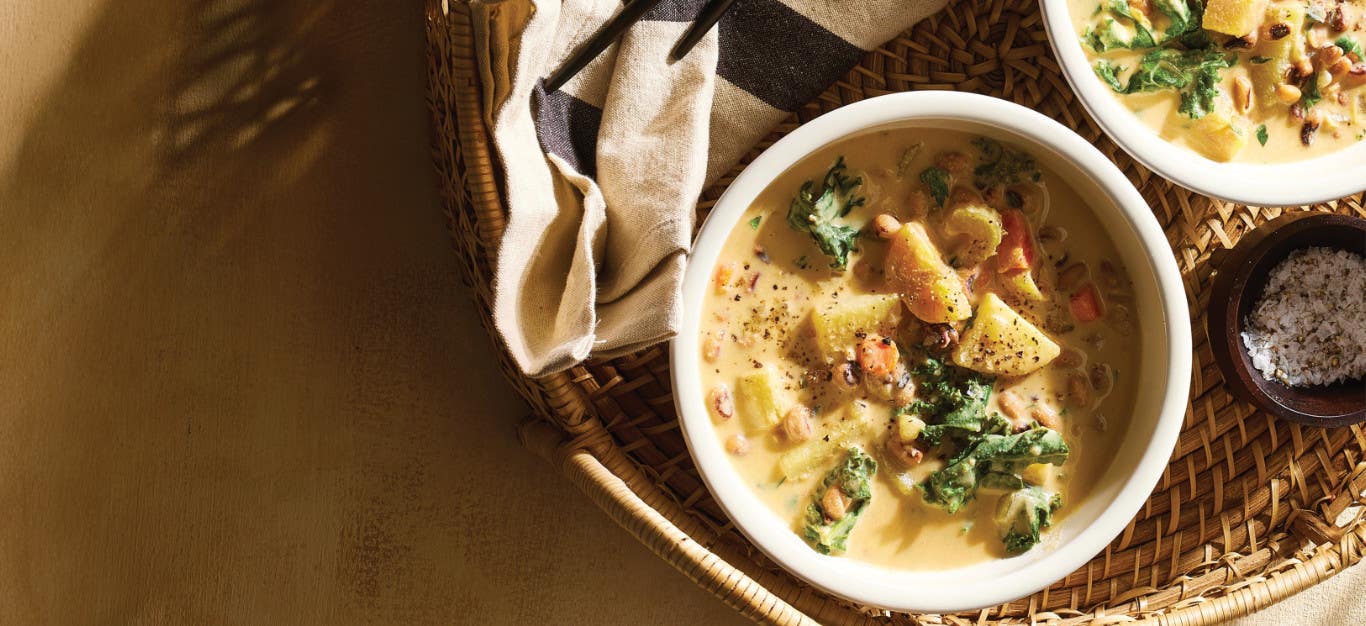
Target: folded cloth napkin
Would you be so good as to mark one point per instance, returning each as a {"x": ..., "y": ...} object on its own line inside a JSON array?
[{"x": 602, "y": 175}]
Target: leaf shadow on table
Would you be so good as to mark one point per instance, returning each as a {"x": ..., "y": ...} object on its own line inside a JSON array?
[{"x": 161, "y": 153}]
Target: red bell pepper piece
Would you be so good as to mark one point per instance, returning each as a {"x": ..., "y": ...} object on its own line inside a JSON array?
[
  {"x": 1085, "y": 304},
  {"x": 1016, "y": 251}
]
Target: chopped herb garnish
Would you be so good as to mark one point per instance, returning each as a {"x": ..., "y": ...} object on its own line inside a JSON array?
[
  {"x": 1309, "y": 93},
  {"x": 1258, "y": 60},
  {"x": 1000, "y": 164},
  {"x": 815, "y": 211},
  {"x": 754, "y": 223},
  {"x": 1350, "y": 46},
  {"x": 1261, "y": 134},
  {"x": 937, "y": 179}
]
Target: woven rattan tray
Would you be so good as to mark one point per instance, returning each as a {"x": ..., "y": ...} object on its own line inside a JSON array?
[{"x": 1250, "y": 510}]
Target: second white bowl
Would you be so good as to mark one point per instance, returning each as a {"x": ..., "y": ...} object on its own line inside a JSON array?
[{"x": 1296, "y": 183}]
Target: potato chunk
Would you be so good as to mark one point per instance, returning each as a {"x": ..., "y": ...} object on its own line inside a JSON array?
[
  {"x": 821, "y": 449},
  {"x": 839, "y": 322},
  {"x": 1002, "y": 343},
  {"x": 1218, "y": 135},
  {"x": 1233, "y": 17},
  {"x": 1021, "y": 284},
  {"x": 758, "y": 399},
  {"x": 1280, "y": 53},
  {"x": 929, "y": 287}
]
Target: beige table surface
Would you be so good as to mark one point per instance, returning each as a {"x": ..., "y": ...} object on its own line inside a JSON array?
[{"x": 240, "y": 381}]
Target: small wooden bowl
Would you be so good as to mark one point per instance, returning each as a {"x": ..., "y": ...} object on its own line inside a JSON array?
[{"x": 1240, "y": 276}]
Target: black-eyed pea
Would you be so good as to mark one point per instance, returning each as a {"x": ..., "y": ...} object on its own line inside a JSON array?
[
  {"x": 1044, "y": 414},
  {"x": 956, "y": 163},
  {"x": 1102, "y": 379},
  {"x": 1241, "y": 93},
  {"x": 1109, "y": 275},
  {"x": 1070, "y": 358},
  {"x": 885, "y": 225},
  {"x": 1287, "y": 94},
  {"x": 1340, "y": 67},
  {"x": 1121, "y": 319},
  {"x": 1072, "y": 276},
  {"x": 1012, "y": 405},
  {"x": 905, "y": 454},
  {"x": 835, "y": 503},
  {"x": 1032, "y": 198},
  {"x": 721, "y": 403},
  {"x": 1328, "y": 54},
  {"x": 918, "y": 202},
  {"x": 796, "y": 425},
  {"x": 1052, "y": 233},
  {"x": 711, "y": 348},
  {"x": 1078, "y": 391}
]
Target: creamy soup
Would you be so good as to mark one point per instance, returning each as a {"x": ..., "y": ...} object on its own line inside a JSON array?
[
  {"x": 1235, "y": 80},
  {"x": 918, "y": 348}
]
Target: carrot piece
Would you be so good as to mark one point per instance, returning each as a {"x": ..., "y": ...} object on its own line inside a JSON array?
[
  {"x": 725, "y": 273},
  {"x": 1016, "y": 250},
  {"x": 877, "y": 356},
  {"x": 1085, "y": 304}
]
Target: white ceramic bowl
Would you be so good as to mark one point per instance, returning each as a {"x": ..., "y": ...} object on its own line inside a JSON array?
[
  {"x": 1164, "y": 373},
  {"x": 1324, "y": 178}
]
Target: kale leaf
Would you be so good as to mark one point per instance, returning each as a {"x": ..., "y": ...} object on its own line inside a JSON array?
[
  {"x": 1198, "y": 100},
  {"x": 1021, "y": 514},
  {"x": 1185, "y": 17},
  {"x": 1143, "y": 35},
  {"x": 1013, "y": 453},
  {"x": 999, "y": 164},
  {"x": 1194, "y": 73},
  {"x": 953, "y": 403},
  {"x": 952, "y": 400},
  {"x": 1109, "y": 35},
  {"x": 1109, "y": 73},
  {"x": 1186, "y": 59},
  {"x": 815, "y": 213},
  {"x": 853, "y": 477},
  {"x": 950, "y": 488},
  {"x": 991, "y": 460}
]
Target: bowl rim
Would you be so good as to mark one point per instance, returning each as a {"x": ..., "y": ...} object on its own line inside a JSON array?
[
  {"x": 1230, "y": 288},
  {"x": 737, "y": 499},
  {"x": 1323, "y": 178}
]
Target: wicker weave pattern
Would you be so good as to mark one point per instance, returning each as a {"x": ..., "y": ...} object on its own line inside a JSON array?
[{"x": 1243, "y": 517}]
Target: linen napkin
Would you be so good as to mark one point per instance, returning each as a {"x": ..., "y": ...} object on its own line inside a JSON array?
[{"x": 602, "y": 175}]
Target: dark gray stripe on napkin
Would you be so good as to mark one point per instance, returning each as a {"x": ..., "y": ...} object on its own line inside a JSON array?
[
  {"x": 766, "y": 48},
  {"x": 779, "y": 55},
  {"x": 568, "y": 128},
  {"x": 675, "y": 11}
]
